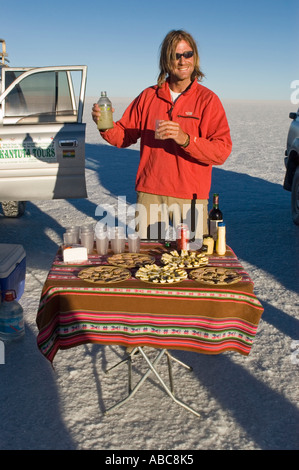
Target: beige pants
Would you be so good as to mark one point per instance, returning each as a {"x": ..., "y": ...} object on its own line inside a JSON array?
[{"x": 153, "y": 213}]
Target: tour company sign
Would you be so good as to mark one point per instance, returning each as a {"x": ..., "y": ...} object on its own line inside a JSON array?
[{"x": 27, "y": 152}]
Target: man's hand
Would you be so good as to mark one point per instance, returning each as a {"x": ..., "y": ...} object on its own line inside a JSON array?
[
  {"x": 172, "y": 130},
  {"x": 96, "y": 112}
]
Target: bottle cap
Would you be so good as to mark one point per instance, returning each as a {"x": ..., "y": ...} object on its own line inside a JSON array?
[{"x": 9, "y": 296}]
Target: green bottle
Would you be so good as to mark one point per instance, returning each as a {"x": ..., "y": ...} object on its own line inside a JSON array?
[{"x": 215, "y": 216}]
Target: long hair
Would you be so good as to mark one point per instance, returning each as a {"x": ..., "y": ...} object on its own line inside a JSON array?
[{"x": 167, "y": 55}]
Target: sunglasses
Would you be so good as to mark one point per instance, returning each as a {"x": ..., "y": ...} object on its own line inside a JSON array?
[{"x": 186, "y": 55}]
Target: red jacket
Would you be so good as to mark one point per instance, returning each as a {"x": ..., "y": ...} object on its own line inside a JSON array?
[{"x": 165, "y": 167}]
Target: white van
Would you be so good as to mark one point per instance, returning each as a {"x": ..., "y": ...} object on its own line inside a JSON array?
[
  {"x": 42, "y": 137},
  {"x": 291, "y": 181}
]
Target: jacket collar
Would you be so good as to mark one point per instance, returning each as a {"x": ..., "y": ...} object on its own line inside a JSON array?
[{"x": 164, "y": 91}]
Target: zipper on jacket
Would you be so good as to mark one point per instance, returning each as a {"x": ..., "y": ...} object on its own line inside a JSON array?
[
  {"x": 172, "y": 105},
  {"x": 170, "y": 112},
  {"x": 179, "y": 115}
]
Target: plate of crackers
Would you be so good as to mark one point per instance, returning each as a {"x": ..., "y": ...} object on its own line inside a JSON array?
[
  {"x": 104, "y": 274},
  {"x": 185, "y": 259},
  {"x": 215, "y": 276},
  {"x": 130, "y": 260},
  {"x": 161, "y": 274}
]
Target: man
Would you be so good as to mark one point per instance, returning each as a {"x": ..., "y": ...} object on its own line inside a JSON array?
[{"x": 193, "y": 135}]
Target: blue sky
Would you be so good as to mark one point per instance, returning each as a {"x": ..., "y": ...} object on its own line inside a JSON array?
[{"x": 248, "y": 50}]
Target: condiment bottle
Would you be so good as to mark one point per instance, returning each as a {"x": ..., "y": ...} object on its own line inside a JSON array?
[
  {"x": 221, "y": 239},
  {"x": 106, "y": 119},
  {"x": 208, "y": 241},
  {"x": 182, "y": 236}
]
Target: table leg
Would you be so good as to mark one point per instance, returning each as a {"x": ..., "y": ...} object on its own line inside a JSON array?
[
  {"x": 152, "y": 368},
  {"x": 129, "y": 359},
  {"x": 122, "y": 361},
  {"x": 178, "y": 361},
  {"x": 136, "y": 388},
  {"x": 179, "y": 402},
  {"x": 169, "y": 357},
  {"x": 170, "y": 372}
]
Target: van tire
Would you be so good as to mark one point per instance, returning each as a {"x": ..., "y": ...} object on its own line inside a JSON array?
[
  {"x": 13, "y": 208},
  {"x": 295, "y": 197}
]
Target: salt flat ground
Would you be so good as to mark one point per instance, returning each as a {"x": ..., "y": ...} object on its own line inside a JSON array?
[{"x": 245, "y": 402}]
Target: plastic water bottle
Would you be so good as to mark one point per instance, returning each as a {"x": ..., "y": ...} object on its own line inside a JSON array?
[
  {"x": 11, "y": 318},
  {"x": 106, "y": 119}
]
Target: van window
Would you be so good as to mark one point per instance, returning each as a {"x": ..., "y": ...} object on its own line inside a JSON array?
[{"x": 45, "y": 94}]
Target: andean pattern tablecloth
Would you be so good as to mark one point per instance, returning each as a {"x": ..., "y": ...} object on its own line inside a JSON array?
[{"x": 189, "y": 315}]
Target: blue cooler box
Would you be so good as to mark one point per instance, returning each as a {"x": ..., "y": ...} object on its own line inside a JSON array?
[{"x": 12, "y": 268}]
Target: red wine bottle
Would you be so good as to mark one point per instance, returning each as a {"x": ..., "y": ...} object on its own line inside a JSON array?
[{"x": 215, "y": 216}]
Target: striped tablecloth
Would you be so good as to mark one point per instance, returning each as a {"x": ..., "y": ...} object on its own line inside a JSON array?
[{"x": 189, "y": 315}]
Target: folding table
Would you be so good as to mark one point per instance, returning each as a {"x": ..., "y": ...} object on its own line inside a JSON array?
[{"x": 187, "y": 316}]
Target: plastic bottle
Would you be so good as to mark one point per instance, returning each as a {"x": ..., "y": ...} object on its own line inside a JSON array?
[
  {"x": 221, "y": 239},
  {"x": 11, "y": 318},
  {"x": 106, "y": 119}
]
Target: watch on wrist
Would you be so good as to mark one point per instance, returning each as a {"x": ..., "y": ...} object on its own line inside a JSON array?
[{"x": 187, "y": 142}]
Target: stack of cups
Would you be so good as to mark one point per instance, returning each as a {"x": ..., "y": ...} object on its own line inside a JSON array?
[
  {"x": 102, "y": 240},
  {"x": 87, "y": 238},
  {"x": 118, "y": 240},
  {"x": 134, "y": 243},
  {"x": 71, "y": 236}
]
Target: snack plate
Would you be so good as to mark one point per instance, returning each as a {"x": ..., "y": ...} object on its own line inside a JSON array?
[
  {"x": 130, "y": 260},
  {"x": 215, "y": 276},
  {"x": 185, "y": 259},
  {"x": 104, "y": 274},
  {"x": 161, "y": 275}
]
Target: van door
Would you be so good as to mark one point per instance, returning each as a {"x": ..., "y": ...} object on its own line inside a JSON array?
[{"x": 42, "y": 137}]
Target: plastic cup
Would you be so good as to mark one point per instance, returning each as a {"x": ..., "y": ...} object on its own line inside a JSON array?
[
  {"x": 102, "y": 243},
  {"x": 118, "y": 245},
  {"x": 87, "y": 240},
  {"x": 74, "y": 234},
  {"x": 134, "y": 243},
  {"x": 118, "y": 240},
  {"x": 86, "y": 228},
  {"x": 68, "y": 238}
]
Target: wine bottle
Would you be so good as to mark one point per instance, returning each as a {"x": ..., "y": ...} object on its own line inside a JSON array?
[{"x": 215, "y": 216}]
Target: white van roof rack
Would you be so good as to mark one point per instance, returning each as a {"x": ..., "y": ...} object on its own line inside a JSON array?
[{"x": 3, "y": 54}]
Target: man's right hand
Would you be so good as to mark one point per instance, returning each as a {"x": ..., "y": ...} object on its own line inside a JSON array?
[{"x": 96, "y": 112}]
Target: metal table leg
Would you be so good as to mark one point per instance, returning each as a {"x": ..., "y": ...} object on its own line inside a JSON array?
[
  {"x": 152, "y": 368},
  {"x": 169, "y": 357},
  {"x": 136, "y": 388}
]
